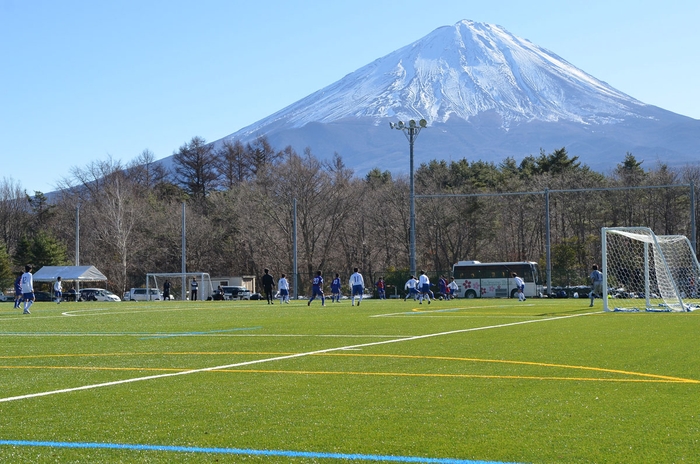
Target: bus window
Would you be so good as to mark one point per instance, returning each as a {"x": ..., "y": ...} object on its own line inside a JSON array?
[{"x": 478, "y": 280}]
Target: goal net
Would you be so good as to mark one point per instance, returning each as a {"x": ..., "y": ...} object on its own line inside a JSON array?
[
  {"x": 647, "y": 272},
  {"x": 180, "y": 284}
]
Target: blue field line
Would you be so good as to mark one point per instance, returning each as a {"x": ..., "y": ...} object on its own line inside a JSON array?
[
  {"x": 187, "y": 334},
  {"x": 244, "y": 451}
]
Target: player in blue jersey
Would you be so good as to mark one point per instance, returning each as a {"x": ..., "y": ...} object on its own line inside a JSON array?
[
  {"x": 442, "y": 287},
  {"x": 335, "y": 289},
  {"x": 18, "y": 291},
  {"x": 596, "y": 283},
  {"x": 317, "y": 289}
]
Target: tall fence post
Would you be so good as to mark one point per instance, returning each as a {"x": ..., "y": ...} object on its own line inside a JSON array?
[
  {"x": 294, "y": 248},
  {"x": 692, "y": 217}
]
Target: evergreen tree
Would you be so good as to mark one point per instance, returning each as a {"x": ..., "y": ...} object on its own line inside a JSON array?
[
  {"x": 23, "y": 252},
  {"x": 195, "y": 167},
  {"x": 6, "y": 275},
  {"x": 43, "y": 210},
  {"x": 556, "y": 162},
  {"x": 41, "y": 250}
]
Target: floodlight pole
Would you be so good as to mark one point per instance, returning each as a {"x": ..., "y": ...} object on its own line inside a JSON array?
[
  {"x": 183, "y": 290},
  {"x": 77, "y": 235},
  {"x": 411, "y": 131}
]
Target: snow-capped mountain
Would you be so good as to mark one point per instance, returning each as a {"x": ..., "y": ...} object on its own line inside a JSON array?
[{"x": 486, "y": 94}]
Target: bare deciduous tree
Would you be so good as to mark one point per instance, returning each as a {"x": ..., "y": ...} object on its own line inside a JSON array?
[{"x": 14, "y": 209}]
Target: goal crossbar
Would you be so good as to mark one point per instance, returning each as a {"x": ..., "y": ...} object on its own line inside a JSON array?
[{"x": 206, "y": 288}]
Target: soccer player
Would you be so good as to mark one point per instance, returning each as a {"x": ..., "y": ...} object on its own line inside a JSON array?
[
  {"x": 58, "y": 290},
  {"x": 335, "y": 289},
  {"x": 283, "y": 287},
  {"x": 424, "y": 287},
  {"x": 381, "y": 288},
  {"x": 520, "y": 285},
  {"x": 317, "y": 289},
  {"x": 453, "y": 288},
  {"x": 193, "y": 289},
  {"x": 442, "y": 286},
  {"x": 18, "y": 291},
  {"x": 27, "y": 288},
  {"x": 411, "y": 287},
  {"x": 268, "y": 282},
  {"x": 357, "y": 283},
  {"x": 597, "y": 283}
]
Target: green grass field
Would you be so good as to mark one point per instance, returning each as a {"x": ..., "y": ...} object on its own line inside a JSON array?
[{"x": 491, "y": 380}]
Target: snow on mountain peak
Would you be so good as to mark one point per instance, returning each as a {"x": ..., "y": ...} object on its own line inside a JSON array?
[{"x": 461, "y": 71}]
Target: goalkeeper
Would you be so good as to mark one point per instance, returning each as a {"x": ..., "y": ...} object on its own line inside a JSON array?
[{"x": 596, "y": 282}]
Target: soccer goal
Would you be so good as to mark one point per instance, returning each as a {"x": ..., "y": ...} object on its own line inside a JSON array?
[
  {"x": 643, "y": 271},
  {"x": 180, "y": 283}
]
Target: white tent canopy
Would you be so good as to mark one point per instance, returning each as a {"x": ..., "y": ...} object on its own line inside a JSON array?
[{"x": 78, "y": 273}]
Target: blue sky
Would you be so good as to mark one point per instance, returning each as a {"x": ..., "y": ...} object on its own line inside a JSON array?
[{"x": 83, "y": 80}]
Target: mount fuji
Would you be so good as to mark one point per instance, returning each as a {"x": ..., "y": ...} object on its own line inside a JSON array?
[{"x": 486, "y": 95}]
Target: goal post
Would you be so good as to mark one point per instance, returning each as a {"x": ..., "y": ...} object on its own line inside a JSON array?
[
  {"x": 180, "y": 282},
  {"x": 645, "y": 271}
]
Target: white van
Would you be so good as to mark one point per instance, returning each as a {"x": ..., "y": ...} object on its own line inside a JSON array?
[{"x": 139, "y": 294}]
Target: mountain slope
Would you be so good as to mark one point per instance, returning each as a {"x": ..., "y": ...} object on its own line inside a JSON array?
[{"x": 486, "y": 94}]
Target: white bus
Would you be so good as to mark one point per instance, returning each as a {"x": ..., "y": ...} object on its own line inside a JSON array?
[{"x": 493, "y": 280}]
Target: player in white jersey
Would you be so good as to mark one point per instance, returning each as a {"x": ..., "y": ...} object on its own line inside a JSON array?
[
  {"x": 357, "y": 283},
  {"x": 520, "y": 285},
  {"x": 424, "y": 286},
  {"x": 454, "y": 288},
  {"x": 27, "y": 288},
  {"x": 58, "y": 290},
  {"x": 283, "y": 287},
  {"x": 410, "y": 287}
]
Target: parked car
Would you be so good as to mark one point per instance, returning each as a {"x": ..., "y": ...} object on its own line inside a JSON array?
[
  {"x": 97, "y": 294},
  {"x": 71, "y": 295},
  {"x": 236, "y": 293},
  {"x": 139, "y": 294},
  {"x": 256, "y": 296}
]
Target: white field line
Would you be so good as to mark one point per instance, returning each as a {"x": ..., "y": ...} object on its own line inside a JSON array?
[
  {"x": 280, "y": 358},
  {"x": 421, "y": 311},
  {"x": 96, "y": 311}
]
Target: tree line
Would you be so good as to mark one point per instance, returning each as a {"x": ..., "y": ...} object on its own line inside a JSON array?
[{"x": 239, "y": 209}]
